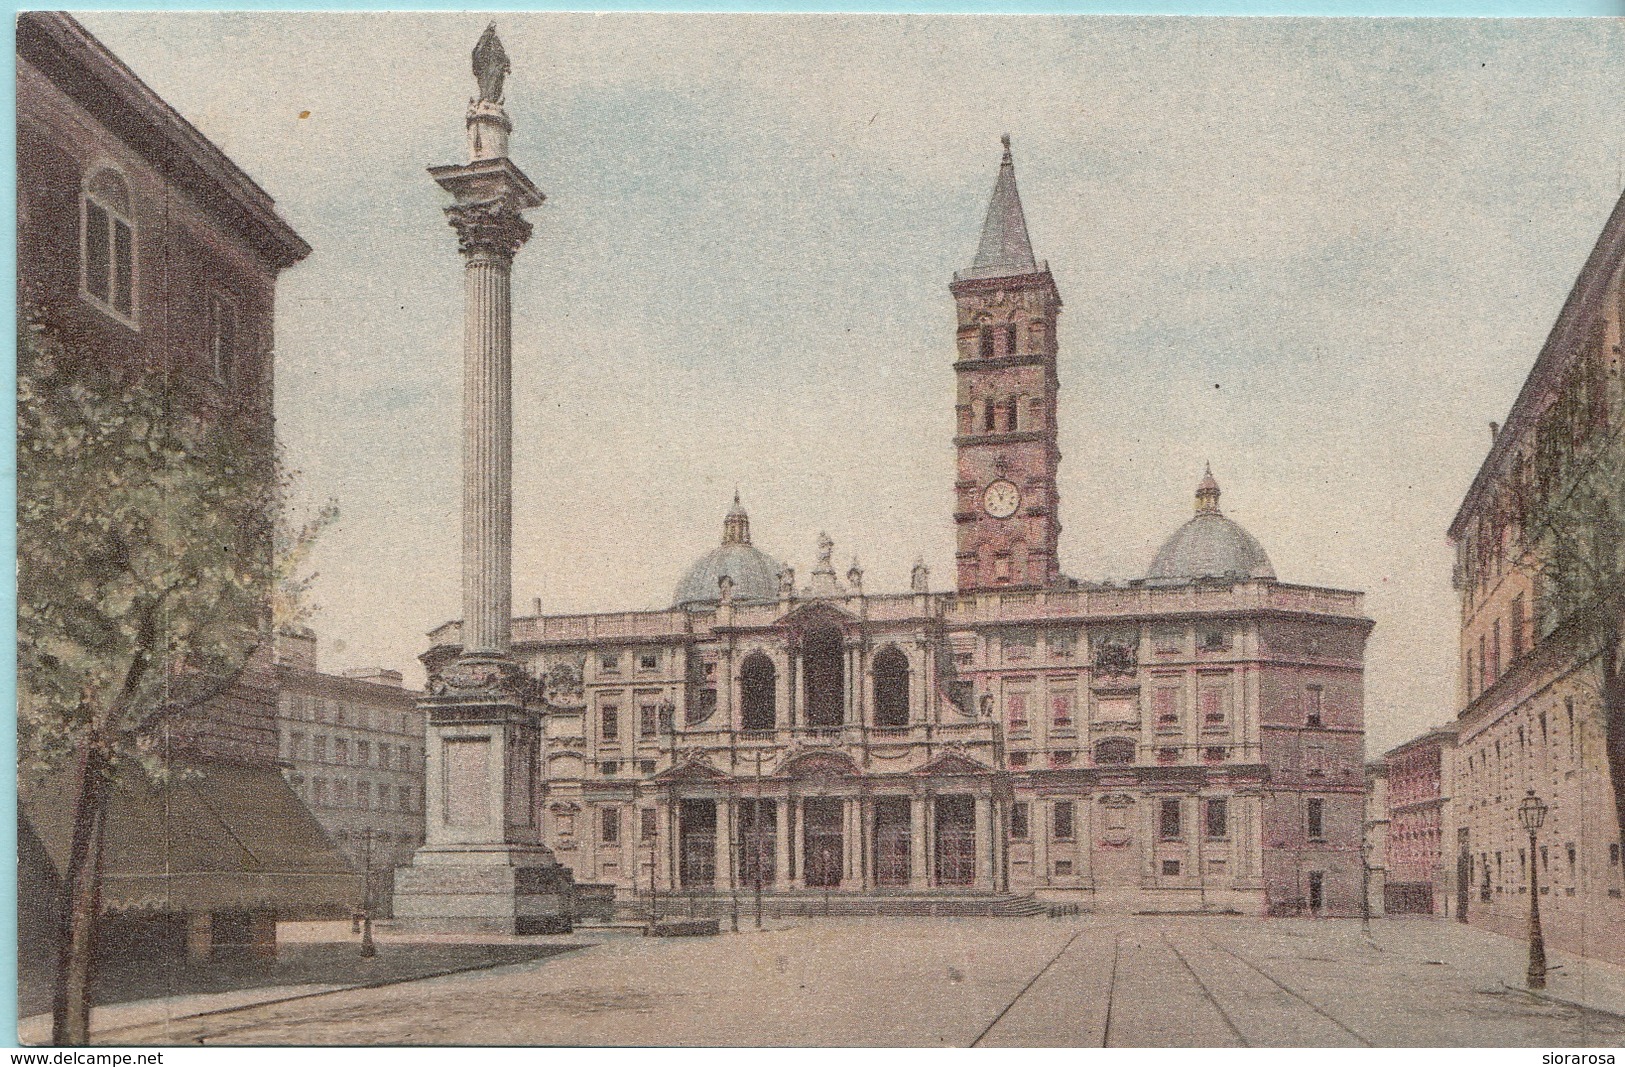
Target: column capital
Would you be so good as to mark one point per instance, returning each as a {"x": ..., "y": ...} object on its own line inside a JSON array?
[{"x": 493, "y": 227}]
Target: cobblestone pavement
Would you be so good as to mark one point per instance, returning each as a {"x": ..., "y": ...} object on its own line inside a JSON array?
[{"x": 1024, "y": 982}]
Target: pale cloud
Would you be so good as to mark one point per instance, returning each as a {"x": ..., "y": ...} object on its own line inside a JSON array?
[{"x": 1320, "y": 254}]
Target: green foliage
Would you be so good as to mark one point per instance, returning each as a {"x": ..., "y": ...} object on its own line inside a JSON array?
[
  {"x": 1580, "y": 545},
  {"x": 144, "y": 555}
]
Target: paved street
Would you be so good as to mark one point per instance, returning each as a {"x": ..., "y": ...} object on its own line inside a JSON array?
[{"x": 1022, "y": 982}]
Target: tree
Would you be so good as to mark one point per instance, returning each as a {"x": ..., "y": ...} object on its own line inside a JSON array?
[
  {"x": 1578, "y": 554},
  {"x": 145, "y": 529}
]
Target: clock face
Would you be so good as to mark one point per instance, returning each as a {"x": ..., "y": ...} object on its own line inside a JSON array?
[{"x": 1001, "y": 499}]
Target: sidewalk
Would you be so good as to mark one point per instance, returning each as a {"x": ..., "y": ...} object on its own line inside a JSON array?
[{"x": 321, "y": 958}]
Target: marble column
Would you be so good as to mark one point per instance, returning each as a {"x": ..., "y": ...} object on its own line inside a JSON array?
[
  {"x": 984, "y": 841},
  {"x": 726, "y": 874},
  {"x": 781, "y": 845},
  {"x": 797, "y": 839},
  {"x": 918, "y": 875}
]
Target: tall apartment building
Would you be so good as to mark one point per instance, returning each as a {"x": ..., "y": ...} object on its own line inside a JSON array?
[
  {"x": 352, "y": 750},
  {"x": 1420, "y": 872},
  {"x": 1532, "y": 713},
  {"x": 145, "y": 250}
]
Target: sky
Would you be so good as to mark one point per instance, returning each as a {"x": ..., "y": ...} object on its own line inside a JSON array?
[{"x": 1319, "y": 254}]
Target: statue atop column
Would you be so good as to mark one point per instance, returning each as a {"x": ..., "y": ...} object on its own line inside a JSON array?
[{"x": 490, "y": 65}]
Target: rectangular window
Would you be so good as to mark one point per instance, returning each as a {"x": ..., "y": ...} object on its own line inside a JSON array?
[
  {"x": 1061, "y": 709},
  {"x": 609, "y": 767},
  {"x": 1317, "y": 819},
  {"x": 665, "y": 718},
  {"x": 1063, "y": 644},
  {"x": 609, "y": 720},
  {"x": 222, "y": 338},
  {"x": 986, "y": 344},
  {"x": 363, "y": 753},
  {"x": 1165, "y": 706},
  {"x": 1168, "y": 829},
  {"x": 1211, "y": 702},
  {"x": 648, "y": 720},
  {"x": 1063, "y": 867},
  {"x": 609, "y": 663},
  {"x": 610, "y": 830},
  {"x": 1010, "y": 409},
  {"x": 1495, "y": 650},
  {"x": 1517, "y": 625},
  {"x": 648, "y": 661},
  {"x": 1218, "y": 817},
  {"x": 646, "y": 824},
  {"x": 1010, "y": 339},
  {"x": 1018, "y": 820},
  {"x": 123, "y": 267},
  {"x": 1170, "y": 867},
  {"x": 98, "y": 252},
  {"x": 1015, "y": 706},
  {"x": 1062, "y": 818},
  {"x": 1313, "y": 709},
  {"x": 341, "y": 751}
]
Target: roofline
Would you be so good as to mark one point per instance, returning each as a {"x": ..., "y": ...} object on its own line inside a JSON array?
[
  {"x": 1589, "y": 288},
  {"x": 1445, "y": 732},
  {"x": 83, "y": 68}
]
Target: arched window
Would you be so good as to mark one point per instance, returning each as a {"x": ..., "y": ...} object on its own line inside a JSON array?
[
  {"x": 891, "y": 687},
  {"x": 757, "y": 685},
  {"x": 1010, "y": 339},
  {"x": 1010, "y": 414},
  {"x": 989, "y": 413},
  {"x": 987, "y": 342},
  {"x": 822, "y": 658},
  {"x": 107, "y": 249},
  {"x": 1114, "y": 750}
]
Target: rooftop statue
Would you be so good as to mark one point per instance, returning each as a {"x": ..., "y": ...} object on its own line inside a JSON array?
[{"x": 490, "y": 65}]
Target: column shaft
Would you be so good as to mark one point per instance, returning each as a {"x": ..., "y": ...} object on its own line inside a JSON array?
[{"x": 487, "y": 453}]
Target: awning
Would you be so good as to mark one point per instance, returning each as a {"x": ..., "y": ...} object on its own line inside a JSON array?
[{"x": 214, "y": 837}]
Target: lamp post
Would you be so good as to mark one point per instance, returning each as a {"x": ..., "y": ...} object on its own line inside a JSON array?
[
  {"x": 1531, "y": 813},
  {"x": 368, "y": 949},
  {"x": 1365, "y": 889}
]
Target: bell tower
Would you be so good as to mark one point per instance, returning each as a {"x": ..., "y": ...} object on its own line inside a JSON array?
[{"x": 1006, "y": 506}]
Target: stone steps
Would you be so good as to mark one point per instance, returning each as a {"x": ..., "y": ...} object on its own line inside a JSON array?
[{"x": 812, "y": 904}]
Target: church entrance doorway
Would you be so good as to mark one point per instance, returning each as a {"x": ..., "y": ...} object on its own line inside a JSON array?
[
  {"x": 821, "y": 841},
  {"x": 822, "y": 655},
  {"x": 893, "y": 840},
  {"x": 697, "y": 843},
  {"x": 758, "y": 840},
  {"x": 956, "y": 840}
]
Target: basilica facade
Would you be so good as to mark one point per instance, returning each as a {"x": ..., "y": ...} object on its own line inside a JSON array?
[{"x": 1190, "y": 740}]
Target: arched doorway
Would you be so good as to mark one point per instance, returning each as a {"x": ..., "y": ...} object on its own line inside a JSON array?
[
  {"x": 757, "y": 683},
  {"x": 822, "y": 657},
  {"x": 891, "y": 687}
]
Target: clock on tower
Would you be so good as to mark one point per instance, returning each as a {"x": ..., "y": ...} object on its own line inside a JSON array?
[{"x": 1007, "y": 511}]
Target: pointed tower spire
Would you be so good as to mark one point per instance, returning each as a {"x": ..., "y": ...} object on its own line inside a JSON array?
[{"x": 1005, "y": 249}]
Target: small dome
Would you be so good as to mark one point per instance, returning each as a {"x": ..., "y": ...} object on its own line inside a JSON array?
[
  {"x": 1209, "y": 546},
  {"x": 755, "y": 574}
]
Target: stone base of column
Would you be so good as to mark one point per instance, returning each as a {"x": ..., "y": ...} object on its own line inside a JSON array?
[{"x": 507, "y": 889}]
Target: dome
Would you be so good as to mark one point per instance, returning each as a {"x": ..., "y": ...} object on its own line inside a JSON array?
[
  {"x": 755, "y": 574},
  {"x": 1209, "y": 546}
]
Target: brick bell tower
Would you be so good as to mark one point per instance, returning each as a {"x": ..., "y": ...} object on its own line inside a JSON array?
[{"x": 1006, "y": 506}]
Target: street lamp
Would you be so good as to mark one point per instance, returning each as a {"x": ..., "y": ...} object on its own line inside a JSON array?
[
  {"x": 1531, "y": 813},
  {"x": 368, "y": 950},
  {"x": 1365, "y": 889}
]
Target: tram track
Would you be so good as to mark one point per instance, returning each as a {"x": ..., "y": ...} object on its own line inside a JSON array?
[
  {"x": 1206, "y": 992},
  {"x": 1034, "y": 981},
  {"x": 1288, "y": 990},
  {"x": 1111, "y": 992}
]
